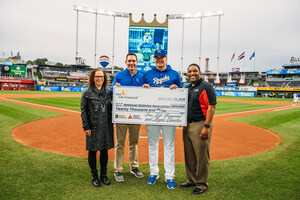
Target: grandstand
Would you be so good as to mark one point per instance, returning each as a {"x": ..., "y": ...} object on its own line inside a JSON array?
[
  {"x": 275, "y": 83},
  {"x": 251, "y": 78},
  {"x": 289, "y": 76},
  {"x": 211, "y": 76},
  {"x": 73, "y": 75}
]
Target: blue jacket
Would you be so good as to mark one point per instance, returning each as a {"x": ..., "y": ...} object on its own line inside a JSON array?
[
  {"x": 166, "y": 78},
  {"x": 125, "y": 79}
]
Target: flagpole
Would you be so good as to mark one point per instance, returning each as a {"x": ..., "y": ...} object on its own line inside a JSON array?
[
  {"x": 218, "y": 58},
  {"x": 244, "y": 60},
  {"x": 234, "y": 61},
  {"x": 200, "y": 41},
  {"x": 95, "y": 52},
  {"x": 77, "y": 34},
  {"x": 113, "y": 51},
  {"x": 182, "y": 41}
]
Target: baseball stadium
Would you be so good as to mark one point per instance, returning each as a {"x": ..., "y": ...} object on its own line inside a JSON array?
[
  {"x": 254, "y": 145},
  {"x": 254, "y": 148}
]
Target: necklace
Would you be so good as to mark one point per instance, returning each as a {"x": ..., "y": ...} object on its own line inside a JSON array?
[
  {"x": 103, "y": 108},
  {"x": 101, "y": 96},
  {"x": 103, "y": 103}
]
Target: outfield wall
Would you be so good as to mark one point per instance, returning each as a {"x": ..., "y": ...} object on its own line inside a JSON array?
[
  {"x": 275, "y": 92},
  {"x": 60, "y": 88},
  {"x": 236, "y": 91},
  {"x": 235, "y": 94}
]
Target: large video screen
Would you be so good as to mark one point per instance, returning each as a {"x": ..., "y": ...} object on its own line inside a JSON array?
[{"x": 143, "y": 41}]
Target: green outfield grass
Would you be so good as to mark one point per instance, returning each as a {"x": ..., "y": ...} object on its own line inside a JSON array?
[
  {"x": 28, "y": 173},
  {"x": 72, "y": 103},
  {"x": 257, "y": 98},
  {"x": 229, "y": 107}
]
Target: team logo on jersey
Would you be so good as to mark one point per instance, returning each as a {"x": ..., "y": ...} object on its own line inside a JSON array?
[{"x": 161, "y": 80}]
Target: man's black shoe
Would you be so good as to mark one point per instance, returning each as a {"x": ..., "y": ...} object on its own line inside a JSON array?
[
  {"x": 137, "y": 173},
  {"x": 119, "y": 176},
  {"x": 198, "y": 191},
  {"x": 105, "y": 180},
  {"x": 186, "y": 184}
]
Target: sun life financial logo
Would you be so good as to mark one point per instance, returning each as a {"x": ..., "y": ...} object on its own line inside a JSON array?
[{"x": 124, "y": 92}]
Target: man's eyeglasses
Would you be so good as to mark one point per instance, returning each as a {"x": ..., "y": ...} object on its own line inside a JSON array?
[{"x": 99, "y": 76}]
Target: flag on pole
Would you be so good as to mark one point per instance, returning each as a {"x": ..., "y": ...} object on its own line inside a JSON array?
[
  {"x": 11, "y": 53},
  {"x": 232, "y": 57},
  {"x": 18, "y": 54},
  {"x": 241, "y": 56},
  {"x": 253, "y": 55}
]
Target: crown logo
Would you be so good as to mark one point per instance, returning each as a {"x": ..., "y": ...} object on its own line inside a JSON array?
[{"x": 142, "y": 22}]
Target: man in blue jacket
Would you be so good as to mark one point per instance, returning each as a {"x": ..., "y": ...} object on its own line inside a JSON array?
[
  {"x": 128, "y": 77},
  {"x": 162, "y": 76}
]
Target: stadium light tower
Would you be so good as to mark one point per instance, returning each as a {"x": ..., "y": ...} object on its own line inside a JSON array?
[
  {"x": 200, "y": 15},
  {"x": 99, "y": 12}
]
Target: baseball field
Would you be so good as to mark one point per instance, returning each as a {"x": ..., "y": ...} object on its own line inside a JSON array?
[{"x": 254, "y": 152}]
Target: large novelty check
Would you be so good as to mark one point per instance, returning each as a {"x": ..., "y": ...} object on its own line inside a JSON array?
[{"x": 155, "y": 106}]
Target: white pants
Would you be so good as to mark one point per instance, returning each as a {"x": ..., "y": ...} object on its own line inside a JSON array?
[{"x": 168, "y": 134}]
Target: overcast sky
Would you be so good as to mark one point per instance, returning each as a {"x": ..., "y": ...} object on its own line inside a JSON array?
[{"x": 47, "y": 29}]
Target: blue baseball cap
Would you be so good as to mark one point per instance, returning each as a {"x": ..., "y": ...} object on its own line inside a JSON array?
[{"x": 160, "y": 52}]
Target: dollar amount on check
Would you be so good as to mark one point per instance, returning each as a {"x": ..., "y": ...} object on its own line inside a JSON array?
[{"x": 155, "y": 106}]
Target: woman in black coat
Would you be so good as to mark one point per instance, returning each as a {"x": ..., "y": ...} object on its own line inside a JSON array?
[{"x": 96, "y": 115}]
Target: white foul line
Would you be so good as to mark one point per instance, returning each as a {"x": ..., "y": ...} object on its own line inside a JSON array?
[
  {"x": 41, "y": 105},
  {"x": 284, "y": 107}
]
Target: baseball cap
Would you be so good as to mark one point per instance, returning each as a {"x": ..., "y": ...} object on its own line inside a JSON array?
[{"x": 160, "y": 52}]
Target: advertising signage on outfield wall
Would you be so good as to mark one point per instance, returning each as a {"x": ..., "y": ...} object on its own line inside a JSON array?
[
  {"x": 61, "y": 79},
  {"x": 296, "y": 89},
  {"x": 230, "y": 84},
  {"x": 283, "y": 72},
  {"x": 230, "y": 88},
  {"x": 5, "y": 69},
  {"x": 16, "y": 81},
  {"x": 60, "y": 88},
  {"x": 17, "y": 70},
  {"x": 235, "y": 94}
]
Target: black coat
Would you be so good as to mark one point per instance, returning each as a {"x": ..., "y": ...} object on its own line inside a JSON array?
[{"x": 96, "y": 115}]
